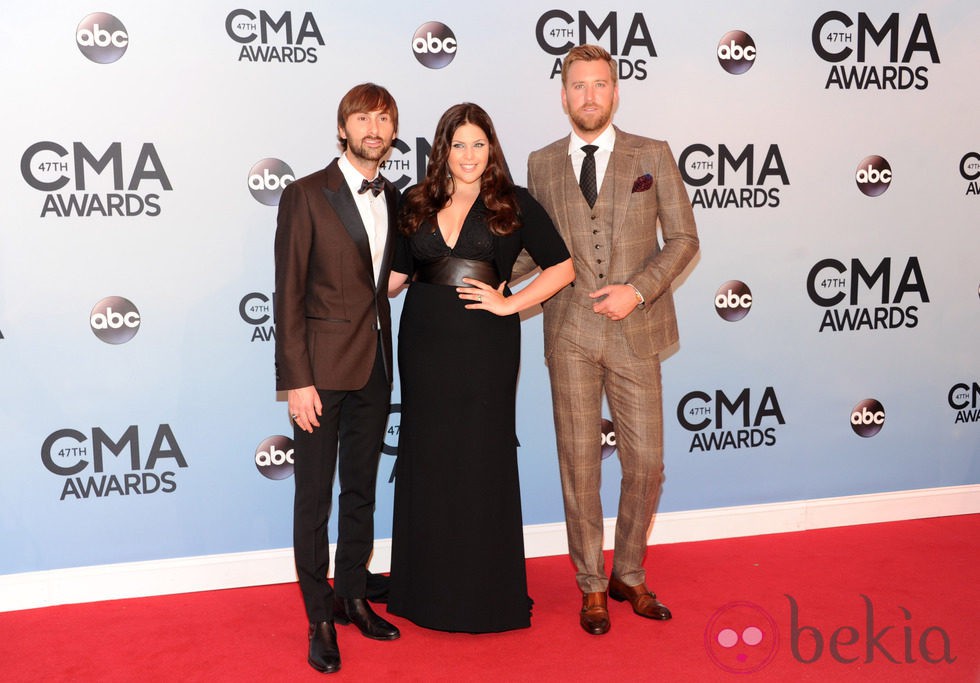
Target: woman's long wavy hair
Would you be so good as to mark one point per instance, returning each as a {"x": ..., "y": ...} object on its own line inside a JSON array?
[{"x": 434, "y": 193}]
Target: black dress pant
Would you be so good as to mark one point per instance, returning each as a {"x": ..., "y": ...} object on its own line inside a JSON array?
[{"x": 356, "y": 420}]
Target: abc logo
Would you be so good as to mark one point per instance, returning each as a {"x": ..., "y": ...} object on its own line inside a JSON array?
[
  {"x": 608, "y": 439},
  {"x": 434, "y": 45},
  {"x": 867, "y": 418},
  {"x": 873, "y": 176},
  {"x": 102, "y": 38},
  {"x": 274, "y": 457},
  {"x": 267, "y": 179},
  {"x": 115, "y": 320},
  {"x": 736, "y": 52},
  {"x": 733, "y": 300}
]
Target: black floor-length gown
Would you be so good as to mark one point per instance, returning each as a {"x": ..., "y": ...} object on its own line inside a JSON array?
[{"x": 457, "y": 542}]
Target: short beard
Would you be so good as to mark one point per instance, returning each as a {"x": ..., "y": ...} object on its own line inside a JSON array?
[
  {"x": 367, "y": 154},
  {"x": 600, "y": 121}
]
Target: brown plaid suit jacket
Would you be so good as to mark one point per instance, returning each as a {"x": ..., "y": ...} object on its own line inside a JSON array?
[{"x": 646, "y": 189}]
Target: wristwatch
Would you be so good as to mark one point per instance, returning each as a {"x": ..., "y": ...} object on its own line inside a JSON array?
[{"x": 640, "y": 301}]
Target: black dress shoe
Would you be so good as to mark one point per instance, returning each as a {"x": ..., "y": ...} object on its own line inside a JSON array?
[
  {"x": 358, "y": 611},
  {"x": 324, "y": 654}
]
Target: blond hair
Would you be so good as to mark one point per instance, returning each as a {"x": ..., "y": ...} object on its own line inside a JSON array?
[{"x": 588, "y": 53}]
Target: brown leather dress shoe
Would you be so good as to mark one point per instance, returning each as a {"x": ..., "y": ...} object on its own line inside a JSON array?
[
  {"x": 643, "y": 601},
  {"x": 594, "y": 616}
]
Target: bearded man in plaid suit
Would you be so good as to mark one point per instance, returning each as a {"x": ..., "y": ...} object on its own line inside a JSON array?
[{"x": 606, "y": 192}]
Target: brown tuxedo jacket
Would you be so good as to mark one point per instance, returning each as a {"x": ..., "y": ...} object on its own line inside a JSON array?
[
  {"x": 327, "y": 305},
  {"x": 645, "y": 188}
]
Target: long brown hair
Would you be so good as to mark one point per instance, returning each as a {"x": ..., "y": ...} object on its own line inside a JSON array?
[{"x": 431, "y": 195}]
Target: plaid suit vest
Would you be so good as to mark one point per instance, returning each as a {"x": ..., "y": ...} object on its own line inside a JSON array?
[{"x": 591, "y": 236}]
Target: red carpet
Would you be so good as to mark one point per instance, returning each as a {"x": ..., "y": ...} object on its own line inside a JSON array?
[{"x": 886, "y": 602}]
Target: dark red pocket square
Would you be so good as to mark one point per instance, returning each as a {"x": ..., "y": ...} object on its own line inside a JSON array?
[{"x": 643, "y": 183}]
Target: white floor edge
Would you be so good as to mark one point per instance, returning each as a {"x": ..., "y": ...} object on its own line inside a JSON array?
[{"x": 233, "y": 570}]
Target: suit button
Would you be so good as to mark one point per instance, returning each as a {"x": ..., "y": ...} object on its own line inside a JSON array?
[
  {"x": 593, "y": 217},
  {"x": 598, "y": 260},
  {"x": 595, "y": 232},
  {"x": 601, "y": 276},
  {"x": 598, "y": 246}
]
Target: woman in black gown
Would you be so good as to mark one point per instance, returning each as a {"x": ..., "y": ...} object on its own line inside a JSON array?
[{"x": 457, "y": 560}]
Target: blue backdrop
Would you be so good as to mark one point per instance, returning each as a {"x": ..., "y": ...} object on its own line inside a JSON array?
[{"x": 829, "y": 326}]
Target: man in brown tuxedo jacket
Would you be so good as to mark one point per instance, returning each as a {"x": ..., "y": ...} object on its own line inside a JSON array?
[
  {"x": 606, "y": 191},
  {"x": 333, "y": 252}
]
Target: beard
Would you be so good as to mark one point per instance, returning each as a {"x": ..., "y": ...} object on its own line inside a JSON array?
[
  {"x": 589, "y": 123},
  {"x": 359, "y": 150}
]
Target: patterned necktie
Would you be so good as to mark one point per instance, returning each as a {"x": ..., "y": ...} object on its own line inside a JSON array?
[
  {"x": 587, "y": 180},
  {"x": 375, "y": 186}
]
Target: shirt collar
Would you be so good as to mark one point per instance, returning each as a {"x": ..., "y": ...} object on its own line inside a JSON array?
[
  {"x": 605, "y": 142},
  {"x": 351, "y": 174}
]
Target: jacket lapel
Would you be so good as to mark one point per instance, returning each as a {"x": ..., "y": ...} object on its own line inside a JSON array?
[
  {"x": 392, "y": 202},
  {"x": 339, "y": 196},
  {"x": 622, "y": 166},
  {"x": 561, "y": 160}
]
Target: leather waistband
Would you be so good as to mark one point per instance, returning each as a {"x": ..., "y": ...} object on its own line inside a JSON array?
[{"x": 450, "y": 270}]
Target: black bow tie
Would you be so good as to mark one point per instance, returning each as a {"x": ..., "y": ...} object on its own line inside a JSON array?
[{"x": 375, "y": 186}]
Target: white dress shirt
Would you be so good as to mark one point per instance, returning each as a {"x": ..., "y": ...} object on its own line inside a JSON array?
[
  {"x": 373, "y": 211},
  {"x": 605, "y": 142}
]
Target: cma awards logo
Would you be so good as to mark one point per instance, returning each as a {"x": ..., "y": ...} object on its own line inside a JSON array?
[
  {"x": 742, "y": 637},
  {"x": 873, "y": 176},
  {"x": 296, "y": 38},
  {"x": 102, "y": 38},
  {"x": 115, "y": 320},
  {"x": 256, "y": 309},
  {"x": 742, "y": 178},
  {"x": 403, "y": 158},
  {"x": 392, "y": 432},
  {"x": 274, "y": 457},
  {"x": 733, "y": 301},
  {"x": 889, "y": 44},
  {"x": 965, "y": 400},
  {"x": 629, "y": 39},
  {"x": 970, "y": 171},
  {"x": 434, "y": 45},
  {"x": 83, "y": 459},
  {"x": 698, "y": 411},
  {"x": 268, "y": 178},
  {"x": 844, "y": 292},
  {"x": 49, "y": 167},
  {"x": 736, "y": 52}
]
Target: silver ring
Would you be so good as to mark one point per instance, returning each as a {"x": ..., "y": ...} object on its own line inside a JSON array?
[{"x": 294, "y": 416}]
